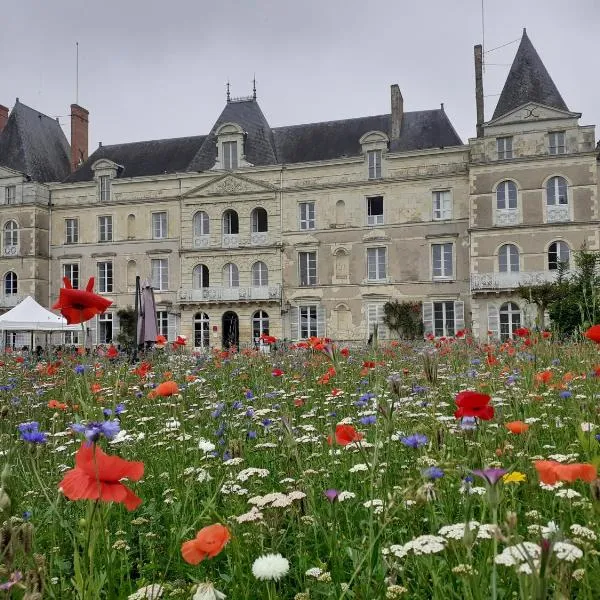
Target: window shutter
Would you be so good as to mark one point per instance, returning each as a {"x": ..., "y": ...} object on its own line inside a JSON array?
[
  {"x": 493, "y": 321},
  {"x": 116, "y": 327},
  {"x": 92, "y": 334},
  {"x": 171, "y": 327},
  {"x": 321, "y": 321},
  {"x": 427, "y": 317},
  {"x": 294, "y": 323},
  {"x": 459, "y": 315}
]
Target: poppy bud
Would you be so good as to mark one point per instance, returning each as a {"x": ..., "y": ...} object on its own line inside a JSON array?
[{"x": 595, "y": 490}]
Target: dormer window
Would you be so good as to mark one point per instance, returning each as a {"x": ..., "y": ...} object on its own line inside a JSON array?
[
  {"x": 374, "y": 160},
  {"x": 230, "y": 148},
  {"x": 374, "y": 144},
  {"x": 230, "y": 156},
  {"x": 104, "y": 181},
  {"x": 105, "y": 171}
]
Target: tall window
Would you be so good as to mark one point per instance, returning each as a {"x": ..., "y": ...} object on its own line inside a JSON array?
[
  {"x": 260, "y": 325},
  {"x": 508, "y": 259},
  {"x": 375, "y": 210},
  {"x": 162, "y": 322},
  {"x": 201, "y": 330},
  {"x": 159, "y": 225},
  {"x": 105, "y": 229},
  {"x": 231, "y": 276},
  {"x": 443, "y": 318},
  {"x": 558, "y": 253},
  {"x": 442, "y": 267},
  {"x": 230, "y": 156},
  {"x": 308, "y": 321},
  {"x": 10, "y": 194},
  {"x": 556, "y": 191},
  {"x": 10, "y": 284},
  {"x": 104, "y": 183},
  {"x": 201, "y": 223},
  {"x": 200, "y": 277},
  {"x": 307, "y": 215},
  {"x": 160, "y": 273},
  {"x": 307, "y": 266},
  {"x": 105, "y": 328},
  {"x": 510, "y": 320},
  {"x": 374, "y": 160},
  {"x": 230, "y": 222},
  {"x": 105, "y": 277},
  {"x": 376, "y": 263},
  {"x": 11, "y": 237},
  {"x": 556, "y": 141},
  {"x": 260, "y": 274},
  {"x": 375, "y": 314},
  {"x": 71, "y": 231},
  {"x": 442, "y": 205},
  {"x": 506, "y": 195},
  {"x": 504, "y": 147},
  {"x": 71, "y": 272},
  {"x": 259, "y": 220}
]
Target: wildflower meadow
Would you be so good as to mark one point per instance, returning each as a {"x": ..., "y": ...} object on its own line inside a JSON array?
[{"x": 443, "y": 469}]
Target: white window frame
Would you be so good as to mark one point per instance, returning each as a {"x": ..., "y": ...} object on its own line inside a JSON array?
[
  {"x": 105, "y": 228},
  {"x": 374, "y": 219},
  {"x": 446, "y": 327},
  {"x": 512, "y": 323},
  {"x": 559, "y": 254},
  {"x": 106, "y": 319},
  {"x": 198, "y": 277},
  {"x": 260, "y": 274},
  {"x": 11, "y": 284},
  {"x": 557, "y": 142},
  {"x": 507, "y": 256},
  {"x": 10, "y": 194},
  {"x": 311, "y": 323},
  {"x": 231, "y": 275},
  {"x": 68, "y": 269},
  {"x": 256, "y": 220},
  {"x": 442, "y": 205},
  {"x": 554, "y": 183},
  {"x": 159, "y": 267},
  {"x": 375, "y": 313},
  {"x": 104, "y": 188},
  {"x": 504, "y": 147},
  {"x": 203, "y": 330},
  {"x": 162, "y": 322},
  {"x": 441, "y": 268},
  {"x": 105, "y": 277},
  {"x": 260, "y": 325},
  {"x": 505, "y": 186},
  {"x": 160, "y": 225},
  {"x": 377, "y": 263},
  {"x": 374, "y": 163},
  {"x": 306, "y": 216},
  {"x": 11, "y": 235},
  {"x": 230, "y": 155},
  {"x": 308, "y": 274},
  {"x": 201, "y": 223},
  {"x": 72, "y": 231}
]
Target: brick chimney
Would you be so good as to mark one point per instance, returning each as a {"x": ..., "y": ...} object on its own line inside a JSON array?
[
  {"x": 397, "y": 111},
  {"x": 478, "y": 53},
  {"x": 3, "y": 117},
  {"x": 79, "y": 135}
]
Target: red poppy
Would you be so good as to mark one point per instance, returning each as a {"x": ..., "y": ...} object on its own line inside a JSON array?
[
  {"x": 166, "y": 388},
  {"x": 550, "y": 471},
  {"x": 209, "y": 541},
  {"x": 593, "y": 333},
  {"x": 180, "y": 341},
  {"x": 277, "y": 372},
  {"x": 369, "y": 364},
  {"x": 97, "y": 476},
  {"x": 161, "y": 340},
  {"x": 267, "y": 339},
  {"x": 345, "y": 352},
  {"x": 78, "y": 306},
  {"x": 112, "y": 352},
  {"x": 517, "y": 427},
  {"x": 344, "y": 435},
  {"x": 522, "y": 332},
  {"x": 473, "y": 404},
  {"x": 543, "y": 376},
  {"x": 546, "y": 334}
]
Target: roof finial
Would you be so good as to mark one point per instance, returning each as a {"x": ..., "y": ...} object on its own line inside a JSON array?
[
  {"x": 254, "y": 87},
  {"x": 228, "y": 94},
  {"x": 524, "y": 30}
]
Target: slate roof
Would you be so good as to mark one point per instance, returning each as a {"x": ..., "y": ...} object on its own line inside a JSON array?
[
  {"x": 528, "y": 81},
  {"x": 34, "y": 144},
  {"x": 139, "y": 159}
]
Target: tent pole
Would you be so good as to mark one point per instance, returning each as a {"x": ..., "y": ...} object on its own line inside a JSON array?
[{"x": 136, "y": 317}]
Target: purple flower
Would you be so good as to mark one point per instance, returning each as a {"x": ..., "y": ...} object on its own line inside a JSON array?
[
  {"x": 30, "y": 432},
  {"x": 249, "y": 395},
  {"x": 432, "y": 473},
  {"x": 251, "y": 435},
  {"x": 468, "y": 423},
  {"x": 94, "y": 430},
  {"x": 331, "y": 495},
  {"x": 416, "y": 440},
  {"x": 368, "y": 419},
  {"x": 565, "y": 394},
  {"x": 491, "y": 476},
  {"x": 119, "y": 408},
  {"x": 14, "y": 578}
]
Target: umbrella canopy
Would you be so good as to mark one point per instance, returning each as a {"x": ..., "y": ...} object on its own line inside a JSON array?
[{"x": 147, "y": 328}]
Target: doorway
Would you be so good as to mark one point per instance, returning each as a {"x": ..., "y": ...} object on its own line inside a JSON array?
[{"x": 231, "y": 329}]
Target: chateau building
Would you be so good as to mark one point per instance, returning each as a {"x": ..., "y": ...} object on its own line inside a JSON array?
[{"x": 306, "y": 229}]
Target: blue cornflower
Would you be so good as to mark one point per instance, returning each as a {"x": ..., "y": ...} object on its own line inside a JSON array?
[
  {"x": 597, "y": 436},
  {"x": 30, "y": 432},
  {"x": 215, "y": 414},
  {"x": 107, "y": 412},
  {"x": 250, "y": 413},
  {"x": 432, "y": 473},
  {"x": 220, "y": 431},
  {"x": 249, "y": 395},
  {"x": 119, "y": 408},
  {"x": 27, "y": 515},
  {"x": 472, "y": 373},
  {"x": 237, "y": 405},
  {"x": 565, "y": 394},
  {"x": 266, "y": 422},
  {"x": 416, "y": 440},
  {"x": 475, "y": 361},
  {"x": 94, "y": 430},
  {"x": 251, "y": 435},
  {"x": 555, "y": 362},
  {"x": 79, "y": 370},
  {"x": 368, "y": 419},
  {"x": 226, "y": 456},
  {"x": 419, "y": 389}
]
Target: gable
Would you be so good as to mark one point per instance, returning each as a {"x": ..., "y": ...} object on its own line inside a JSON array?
[
  {"x": 532, "y": 112},
  {"x": 6, "y": 172},
  {"x": 230, "y": 184}
]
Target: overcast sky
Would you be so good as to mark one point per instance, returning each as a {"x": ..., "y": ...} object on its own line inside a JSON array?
[{"x": 152, "y": 69}]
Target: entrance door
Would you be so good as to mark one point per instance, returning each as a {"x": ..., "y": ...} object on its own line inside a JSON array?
[{"x": 231, "y": 330}]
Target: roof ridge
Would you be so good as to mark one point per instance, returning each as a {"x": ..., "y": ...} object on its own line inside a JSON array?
[
  {"x": 182, "y": 137},
  {"x": 39, "y": 112}
]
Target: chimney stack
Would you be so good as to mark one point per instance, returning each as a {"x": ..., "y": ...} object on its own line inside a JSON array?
[
  {"x": 479, "y": 89},
  {"x": 79, "y": 135},
  {"x": 3, "y": 117},
  {"x": 397, "y": 111}
]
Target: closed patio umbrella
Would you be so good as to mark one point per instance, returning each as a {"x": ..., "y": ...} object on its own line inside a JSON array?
[{"x": 147, "y": 328}]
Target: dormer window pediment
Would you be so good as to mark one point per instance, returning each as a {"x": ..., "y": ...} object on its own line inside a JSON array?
[
  {"x": 231, "y": 142},
  {"x": 105, "y": 171}
]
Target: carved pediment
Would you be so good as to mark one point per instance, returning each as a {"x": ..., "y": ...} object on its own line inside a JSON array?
[
  {"x": 230, "y": 184},
  {"x": 532, "y": 112},
  {"x": 7, "y": 172}
]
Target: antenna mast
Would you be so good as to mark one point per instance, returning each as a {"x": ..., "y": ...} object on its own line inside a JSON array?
[{"x": 76, "y": 72}]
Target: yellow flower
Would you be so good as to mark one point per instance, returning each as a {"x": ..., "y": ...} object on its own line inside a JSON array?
[{"x": 514, "y": 477}]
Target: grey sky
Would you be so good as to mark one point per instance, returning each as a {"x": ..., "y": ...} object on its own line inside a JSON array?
[{"x": 155, "y": 69}]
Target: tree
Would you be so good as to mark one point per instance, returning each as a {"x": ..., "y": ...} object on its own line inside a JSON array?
[
  {"x": 542, "y": 295},
  {"x": 128, "y": 335},
  {"x": 404, "y": 318}
]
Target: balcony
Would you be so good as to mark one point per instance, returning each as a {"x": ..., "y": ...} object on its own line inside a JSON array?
[
  {"x": 10, "y": 300},
  {"x": 231, "y": 240},
  {"x": 271, "y": 293},
  {"x": 489, "y": 282}
]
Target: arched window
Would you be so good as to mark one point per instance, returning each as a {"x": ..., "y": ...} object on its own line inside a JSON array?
[
  {"x": 260, "y": 221},
  {"x": 200, "y": 277},
  {"x": 556, "y": 192},
  {"x": 260, "y": 274},
  {"x": 510, "y": 320},
  {"x": 230, "y": 222},
  {"x": 506, "y": 195},
  {"x": 558, "y": 253},
  {"x": 231, "y": 276},
  {"x": 131, "y": 227},
  {"x": 508, "y": 259},
  {"x": 10, "y": 284},
  {"x": 131, "y": 273},
  {"x": 11, "y": 236},
  {"x": 201, "y": 330},
  {"x": 340, "y": 213},
  {"x": 260, "y": 325},
  {"x": 201, "y": 224}
]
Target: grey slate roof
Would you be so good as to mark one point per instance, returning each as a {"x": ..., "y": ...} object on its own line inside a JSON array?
[
  {"x": 34, "y": 144},
  {"x": 528, "y": 81},
  {"x": 140, "y": 159}
]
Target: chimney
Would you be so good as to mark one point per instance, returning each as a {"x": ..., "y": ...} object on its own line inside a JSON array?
[
  {"x": 397, "y": 111},
  {"x": 3, "y": 117},
  {"x": 479, "y": 89},
  {"x": 79, "y": 135}
]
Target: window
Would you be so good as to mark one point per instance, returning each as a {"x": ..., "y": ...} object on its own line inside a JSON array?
[
  {"x": 375, "y": 314},
  {"x": 375, "y": 210},
  {"x": 10, "y": 194},
  {"x": 504, "y": 147},
  {"x": 443, "y": 319},
  {"x": 71, "y": 272},
  {"x": 260, "y": 274},
  {"x": 506, "y": 195},
  {"x": 201, "y": 223},
  {"x": 160, "y": 273},
  {"x": 105, "y": 277},
  {"x": 307, "y": 215},
  {"x": 200, "y": 277},
  {"x": 308, "y": 321},
  {"x": 259, "y": 220},
  {"x": 230, "y": 156},
  {"x": 230, "y": 222},
  {"x": 11, "y": 238},
  {"x": 71, "y": 231},
  {"x": 260, "y": 325},
  {"x": 376, "y": 263},
  {"x": 71, "y": 337},
  {"x": 105, "y": 328},
  {"x": 307, "y": 265},
  {"x": 231, "y": 276},
  {"x": 162, "y": 322},
  {"x": 556, "y": 141},
  {"x": 558, "y": 254},
  {"x": 201, "y": 330},
  {"x": 442, "y": 205},
  {"x": 374, "y": 160},
  {"x": 556, "y": 191},
  {"x": 510, "y": 320},
  {"x": 159, "y": 225},
  {"x": 105, "y": 230},
  {"x": 508, "y": 259},
  {"x": 442, "y": 261},
  {"x": 104, "y": 184},
  {"x": 10, "y": 284}
]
